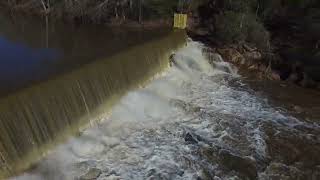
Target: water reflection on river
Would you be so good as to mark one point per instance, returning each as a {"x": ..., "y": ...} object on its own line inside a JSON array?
[{"x": 33, "y": 50}]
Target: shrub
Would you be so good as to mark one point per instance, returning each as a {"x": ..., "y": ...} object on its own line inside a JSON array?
[
  {"x": 159, "y": 8},
  {"x": 242, "y": 6},
  {"x": 234, "y": 27},
  {"x": 257, "y": 33},
  {"x": 229, "y": 27}
]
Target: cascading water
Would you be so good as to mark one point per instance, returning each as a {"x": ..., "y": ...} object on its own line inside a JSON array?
[
  {"x": 35, "y": 119},
  {"x": 196, "y": 120}
]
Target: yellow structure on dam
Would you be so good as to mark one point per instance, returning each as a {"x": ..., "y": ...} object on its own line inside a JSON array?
[{"x": 180, "y": 21}]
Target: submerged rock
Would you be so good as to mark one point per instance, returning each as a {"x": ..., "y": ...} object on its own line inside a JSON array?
[
  {"x": 190, "y": 139},
  {"x": 92, "y": 174}
]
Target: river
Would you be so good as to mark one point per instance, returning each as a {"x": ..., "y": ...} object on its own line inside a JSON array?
[{"x": 178, "y": 111}]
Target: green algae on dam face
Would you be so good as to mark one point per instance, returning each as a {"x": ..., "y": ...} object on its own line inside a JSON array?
[{"x": 35, "y": 119}]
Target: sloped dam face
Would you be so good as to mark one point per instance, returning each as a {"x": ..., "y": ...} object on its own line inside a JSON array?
[{"x": 56, "y": 80}]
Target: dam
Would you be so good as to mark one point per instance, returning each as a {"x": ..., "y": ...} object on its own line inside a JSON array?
[{"x": 64, "y": 78}]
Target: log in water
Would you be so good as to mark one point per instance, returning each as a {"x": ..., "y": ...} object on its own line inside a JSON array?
[{"x": 36, "y": 118}]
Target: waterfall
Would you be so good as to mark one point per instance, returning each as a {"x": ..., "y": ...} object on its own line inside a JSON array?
[{"x": 36, "y": 118}]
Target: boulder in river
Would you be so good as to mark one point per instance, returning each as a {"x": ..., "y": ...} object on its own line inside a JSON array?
[{"x": 190, "y": 139}]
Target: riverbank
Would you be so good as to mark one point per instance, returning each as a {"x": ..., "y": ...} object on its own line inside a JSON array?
[
  {"x": 287, "y": 65},
  {"x": 264, "y": 37}
]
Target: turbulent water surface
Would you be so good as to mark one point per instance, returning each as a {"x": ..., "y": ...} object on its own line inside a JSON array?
[{"x": 196, "y": 120}]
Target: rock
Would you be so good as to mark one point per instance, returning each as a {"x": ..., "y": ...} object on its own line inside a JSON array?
[
  {"x": 260, "y": 75},
  {"x": 214, "y": 57},
  {"x": 244, "y": 165},
  {"x": 312, "y": 68},
  {"x": 216, "y": 178},
  {"x": 254, "y": 55},
  {"x": 275, "y": 76},
  {"x": 210, "y": 153},
  {"x": 190, "y": 139},
  {"x": 113, "y": 177},
  {"x": 293, "y": 77},
  {"x": 243, "y": 61},
  {"x": 249, "y": 63},
  {"x": 92, "y": 174},
  {"x": 308, "y": 82},
  {"x": 282, "y": 171},
  {"x": 231, "y": 54},
  {"x": 262, "y": 67},
  {"x": 248, "y": 48},
  {"x": 241, "y": 50},
  {"x": 253, "y": 67},
  {"x": 172, "y": 60},
  {"x": 205, "y": 174},
  {"x": 180, "y": 172},
  {"x": 151, "y": 172},
  {"x": 194, "y": 138},
  {"x": 298, "y": 109}
]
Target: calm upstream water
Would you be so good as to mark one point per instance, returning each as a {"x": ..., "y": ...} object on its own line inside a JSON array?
[
  {"x": 34, "y": 49},
  {"x": 159, "y": 107}
]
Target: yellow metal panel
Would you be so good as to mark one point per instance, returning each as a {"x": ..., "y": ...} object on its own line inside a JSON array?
[{"x": 180, "y": 21}]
